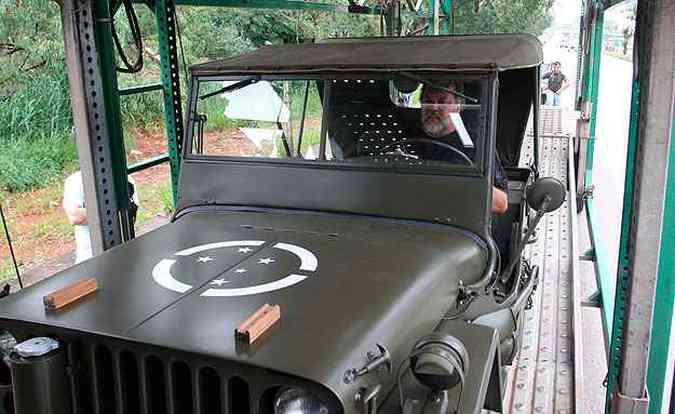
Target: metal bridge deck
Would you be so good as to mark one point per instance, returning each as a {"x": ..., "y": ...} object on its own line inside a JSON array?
[{"x": 542, "y": 377}]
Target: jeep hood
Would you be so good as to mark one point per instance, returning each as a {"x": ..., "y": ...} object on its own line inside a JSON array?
[{"x": 344, "y": 284}]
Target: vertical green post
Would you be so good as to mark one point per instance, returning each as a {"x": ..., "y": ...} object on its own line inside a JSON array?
[
  {"x": 593, "y": 85},
  {"x": 662, "y": 324},
  {"x": 618, "y": 291},
  {"x": 593, "y": 14},
  {"x": 615, "y": 325},
  {"x": 432, "y": 30},
  {"x": 580, "y": 58},
  {"x": 446, "y": 6},
  {"x": 112, "y": 114},
  {"x": 165, "y": 13}
]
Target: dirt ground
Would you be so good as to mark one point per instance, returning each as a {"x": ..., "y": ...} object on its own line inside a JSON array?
[{"x": 42, "y": 238}]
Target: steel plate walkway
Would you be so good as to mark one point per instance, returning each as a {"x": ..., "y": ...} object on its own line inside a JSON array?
[{"x": 542, "y": 377}]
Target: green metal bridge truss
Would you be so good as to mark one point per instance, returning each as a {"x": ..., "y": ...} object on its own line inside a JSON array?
[{"x": 629, "y": 297}]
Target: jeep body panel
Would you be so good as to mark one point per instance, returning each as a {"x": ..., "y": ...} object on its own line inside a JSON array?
[{"x": 370, "y": 281}]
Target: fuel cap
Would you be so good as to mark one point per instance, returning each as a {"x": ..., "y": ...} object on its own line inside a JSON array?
[{"x": 36, "y": 347}]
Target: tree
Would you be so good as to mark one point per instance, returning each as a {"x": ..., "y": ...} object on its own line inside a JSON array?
[{"x": 502, "y": 16}]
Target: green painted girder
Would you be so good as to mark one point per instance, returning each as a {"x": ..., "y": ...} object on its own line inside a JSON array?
[
  {"x": 593, "y": 86},
  {"x": 664, "y": 302},
  {"x": 610, "y": 3},
  {"x": 617, "y": 306},
  {"x": 145, "y": 164},
  {"x": 266, "y": 4},
  {"x": 432, "y": 29},
  {"x": 589, "y": 92},
  {"x": 132, "y": 90},
  {"x": 112, "y": 114},
  {"x": 170, "y": 78},
  {"x": 446, "y": 8}
]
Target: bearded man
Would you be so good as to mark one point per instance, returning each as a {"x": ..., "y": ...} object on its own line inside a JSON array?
[{"x": 441, "y": 121}]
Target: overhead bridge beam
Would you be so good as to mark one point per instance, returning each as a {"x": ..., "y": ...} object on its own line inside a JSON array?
[{"x": 268, "y": 4}]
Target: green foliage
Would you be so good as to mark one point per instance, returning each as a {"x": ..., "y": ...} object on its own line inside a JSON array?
[
  {"x": 503, "y": 16},
  {"x": 35, "y": 113},
  {"x": 166, "y": 196},
  {"x": 313, "y": 101},
  {"x": 34, "y": 163}
]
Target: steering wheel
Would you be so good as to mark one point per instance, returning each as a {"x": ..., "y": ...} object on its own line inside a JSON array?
[{"x": 456, "y": 152}]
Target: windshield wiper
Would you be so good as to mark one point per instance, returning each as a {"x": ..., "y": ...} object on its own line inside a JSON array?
[
  {"x": 232, "y": 88},
  {"x": 439, "y": 87}
]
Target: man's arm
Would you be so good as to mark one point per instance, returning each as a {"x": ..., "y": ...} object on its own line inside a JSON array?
[
  {"x": 565, "y": 84},
  {"x": 76, "y": 215},
  {"x": 500, "y": 201},
  {"x": 500, "y": 184},
  {"x": 73, "y": 200}
]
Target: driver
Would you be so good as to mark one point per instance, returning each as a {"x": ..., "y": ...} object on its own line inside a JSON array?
[{"x": 438, "y": 106}]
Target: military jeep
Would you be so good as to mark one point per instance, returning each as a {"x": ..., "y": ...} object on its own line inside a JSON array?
[{"x": 309, "y": 182}]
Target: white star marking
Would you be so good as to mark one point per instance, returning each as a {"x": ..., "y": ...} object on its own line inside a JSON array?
[
  {"x": 201, "y": 259},
  {"x": 266, "y": 260},
  {"x": 161, "y": 272}
]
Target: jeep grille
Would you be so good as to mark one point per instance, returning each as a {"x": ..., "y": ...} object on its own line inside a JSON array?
[{"x": 113, "y": 376}]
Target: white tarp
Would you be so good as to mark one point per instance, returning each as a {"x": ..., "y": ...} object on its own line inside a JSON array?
[{"x": 256, "y": 102}]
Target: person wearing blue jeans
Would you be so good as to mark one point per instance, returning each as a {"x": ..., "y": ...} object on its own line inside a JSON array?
[
  {"x": 556, "y": 99},
  {"x": 557, "y": 82}
]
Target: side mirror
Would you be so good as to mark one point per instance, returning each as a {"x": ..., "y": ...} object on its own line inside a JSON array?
[{"x": 546, "y": 194}]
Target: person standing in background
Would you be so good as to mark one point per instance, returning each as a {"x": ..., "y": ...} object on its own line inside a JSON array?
[
  {"x": 557, "y": 82},
  {"x": 73, "y": 204}
]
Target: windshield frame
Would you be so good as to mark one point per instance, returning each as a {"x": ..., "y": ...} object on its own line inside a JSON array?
[{"x": 487, "y": 116}]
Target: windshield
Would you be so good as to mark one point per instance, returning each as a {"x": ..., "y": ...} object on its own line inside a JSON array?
[{"x": 402, "y": 120}]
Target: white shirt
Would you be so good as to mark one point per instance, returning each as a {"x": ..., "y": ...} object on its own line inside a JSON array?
[{"x": 73, "y": 197}]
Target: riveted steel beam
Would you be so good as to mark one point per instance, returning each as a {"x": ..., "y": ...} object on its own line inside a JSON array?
[
  {"x": 646, "y": 216},
  {"x": 88, "y": 44},
  {"x": 265, "y": 4},
  {"x": 165, "y": 13}
]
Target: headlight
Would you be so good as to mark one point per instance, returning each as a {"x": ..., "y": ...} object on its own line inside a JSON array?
[{"x": 297, "y": 401}]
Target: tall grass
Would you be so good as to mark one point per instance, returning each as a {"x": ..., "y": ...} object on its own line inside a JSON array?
[
  {"x": 35, "y": 129},
  {"x": 36, "y": 142}
]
